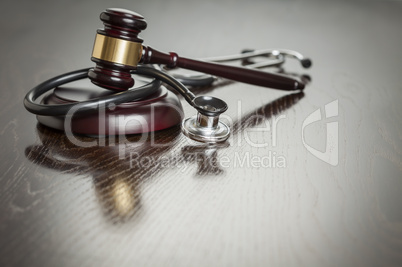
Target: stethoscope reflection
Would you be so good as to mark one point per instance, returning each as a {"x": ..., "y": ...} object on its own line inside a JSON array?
[
  {"x": 116, "y": 181},
  {"x": 261, "y": 114},
  {"x": 205, "y": 156}
]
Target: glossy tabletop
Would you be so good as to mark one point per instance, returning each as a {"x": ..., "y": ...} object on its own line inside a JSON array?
[{"x": 310, "y": 178}]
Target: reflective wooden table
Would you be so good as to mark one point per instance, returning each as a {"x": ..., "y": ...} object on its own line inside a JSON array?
[{"x": 310, "y": 178}]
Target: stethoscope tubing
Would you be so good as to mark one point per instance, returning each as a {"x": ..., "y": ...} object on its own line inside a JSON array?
[
  {"x": 177, "y": 83},
  {"x": 83, "y": 106}
]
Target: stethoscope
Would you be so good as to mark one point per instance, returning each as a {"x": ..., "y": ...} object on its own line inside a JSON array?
[{"x": 205, "y": 126}]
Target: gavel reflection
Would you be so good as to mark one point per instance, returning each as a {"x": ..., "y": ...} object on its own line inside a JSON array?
[
  {"x": 118, "y": 50},
  {"x": 117, "y": 184}
]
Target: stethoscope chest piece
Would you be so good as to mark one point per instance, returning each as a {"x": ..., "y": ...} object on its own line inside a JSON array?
[{"x": 206, "y": 126}]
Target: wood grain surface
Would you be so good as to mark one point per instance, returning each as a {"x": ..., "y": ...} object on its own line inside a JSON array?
[{"x": 260, "y": 199}]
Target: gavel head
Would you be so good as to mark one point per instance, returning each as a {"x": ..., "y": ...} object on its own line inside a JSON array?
[{"x": 117, "y": 49}]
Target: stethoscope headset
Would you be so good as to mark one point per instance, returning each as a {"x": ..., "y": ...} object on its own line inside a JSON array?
[{"x": 119, "y": 54}]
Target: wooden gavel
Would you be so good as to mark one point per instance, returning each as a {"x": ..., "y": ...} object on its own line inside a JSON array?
[{"x": 118, "y": 50}]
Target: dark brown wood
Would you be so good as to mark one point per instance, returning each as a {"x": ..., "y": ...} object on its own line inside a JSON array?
[
  {"x": 180, "y": 203},
  {"x": 111, "y": 76},
  {"x": 239, "y": 74},
  {"x": 123, "y": 24},
  {"x": 126, "y": 24}
]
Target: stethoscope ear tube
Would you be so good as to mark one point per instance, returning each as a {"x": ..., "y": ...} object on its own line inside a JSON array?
[
  {"x": 84, "y": 106},
  {"x": 273, "y": 58}
]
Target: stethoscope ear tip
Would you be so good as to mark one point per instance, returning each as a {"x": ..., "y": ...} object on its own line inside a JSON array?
[{"x": 306, "y": 63}]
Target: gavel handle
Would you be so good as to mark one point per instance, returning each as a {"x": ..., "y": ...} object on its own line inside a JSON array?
[{"x": 245, "y": 75}]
